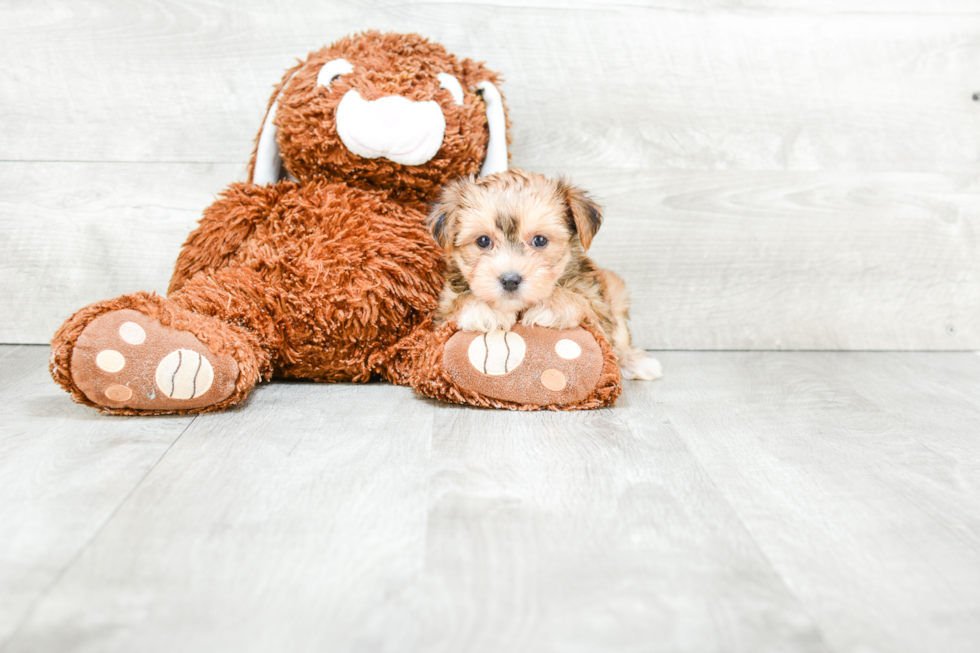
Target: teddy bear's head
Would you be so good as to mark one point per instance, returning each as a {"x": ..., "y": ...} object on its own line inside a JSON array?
[{"x": 391, "y": 111}]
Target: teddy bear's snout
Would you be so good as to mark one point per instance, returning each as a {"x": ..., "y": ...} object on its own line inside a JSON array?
[{"x": 393, "y": 127}]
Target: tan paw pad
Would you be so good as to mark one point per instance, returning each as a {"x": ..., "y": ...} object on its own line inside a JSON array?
[
  {"x": 497, "y": 352},
  {"x": 118, "y": 393},
  {"x": 553, "y": 380},
  {"x": 184, "y": 374},
  {"x": 110, "y": 360},
  {"x": 568, "y": 349},
  {"x": 125, "y": 359},
  {"x": 132, "y": 333}
]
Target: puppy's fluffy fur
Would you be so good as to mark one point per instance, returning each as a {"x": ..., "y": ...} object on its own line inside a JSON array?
[{"x": 515, "y": 246}]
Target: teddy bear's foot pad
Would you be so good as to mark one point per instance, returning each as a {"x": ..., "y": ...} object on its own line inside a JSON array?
[
  {"x": 125, "y": 359},
  {"x": 545, "y": 367}
]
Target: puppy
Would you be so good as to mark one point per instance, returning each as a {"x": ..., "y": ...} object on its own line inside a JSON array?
[{"x": 515, "y": 247}]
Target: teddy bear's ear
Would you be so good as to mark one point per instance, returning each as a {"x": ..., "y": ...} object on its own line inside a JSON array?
[
  {"x": 267, "y": 164},
  {"x": 496, "y": 158},
  {"x": 268, "y": 161}
]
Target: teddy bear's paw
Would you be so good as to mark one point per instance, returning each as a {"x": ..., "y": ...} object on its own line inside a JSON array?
[
  {"x": 125, "y": 359},
  {"x": 527, "y": 365}
]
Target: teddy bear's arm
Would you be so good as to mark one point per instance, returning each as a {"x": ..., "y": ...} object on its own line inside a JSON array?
[{"x": 226, "y": 224}]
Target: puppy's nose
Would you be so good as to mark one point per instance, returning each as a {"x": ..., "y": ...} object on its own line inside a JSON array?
[{"x": 510, "y": 281}]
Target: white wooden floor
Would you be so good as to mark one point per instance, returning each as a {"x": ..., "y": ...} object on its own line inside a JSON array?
[{"x": 748, "y": 502}]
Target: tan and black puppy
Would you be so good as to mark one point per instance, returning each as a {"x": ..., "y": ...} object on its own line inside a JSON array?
[{"x": 515, "y": 246}]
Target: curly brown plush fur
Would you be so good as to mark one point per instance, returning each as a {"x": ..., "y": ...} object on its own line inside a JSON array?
[
  {"x": 330, "y": 275},
  {"x": 327, "y": 275}
]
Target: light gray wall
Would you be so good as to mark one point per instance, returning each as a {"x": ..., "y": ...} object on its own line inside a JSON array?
[{"x": 777, "y": 175}]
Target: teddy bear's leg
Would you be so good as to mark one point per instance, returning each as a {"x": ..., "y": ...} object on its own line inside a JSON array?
[
  {"x": 523, "y": 369},
  {"x": 142, "y": 353}
]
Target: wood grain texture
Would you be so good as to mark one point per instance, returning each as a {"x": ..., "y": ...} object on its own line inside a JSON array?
[
  {"x": 549, "y": 532},
  {"x": 309, "y": 519},
  {"x": 794, "y": 260},
  {"x": 793, "y": 175},
  {"x": 854, "y": 486},
  {"x": 64, "y": 471},
  {"x": 277, "y": 528},
  {"x": 747, "y": 502},
  {"x": 725, "y": 85},
  {"x": 78, "y": 233}
]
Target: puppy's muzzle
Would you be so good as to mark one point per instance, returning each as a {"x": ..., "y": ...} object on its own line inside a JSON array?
[{"x": 510, "y": 281}]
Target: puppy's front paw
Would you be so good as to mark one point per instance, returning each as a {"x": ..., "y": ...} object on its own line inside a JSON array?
[
  {"x": 482, "y": 318},
  {"x": 544, "y": 316}
]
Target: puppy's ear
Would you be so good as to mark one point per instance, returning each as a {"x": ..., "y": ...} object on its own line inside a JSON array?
[
  {"x": 584, "y": 215},
  {"x": 442, "y": 215}
]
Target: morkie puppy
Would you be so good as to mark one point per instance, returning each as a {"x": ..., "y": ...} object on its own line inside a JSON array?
[{"x": 515, "y": 247}]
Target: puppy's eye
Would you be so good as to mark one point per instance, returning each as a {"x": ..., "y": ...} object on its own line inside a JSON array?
[
  {"x": 483, "y": 242},
  {"x": 539, "y": 241}
]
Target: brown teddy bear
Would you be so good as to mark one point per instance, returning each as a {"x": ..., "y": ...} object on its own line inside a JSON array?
[{"x": 320, "y": 266}]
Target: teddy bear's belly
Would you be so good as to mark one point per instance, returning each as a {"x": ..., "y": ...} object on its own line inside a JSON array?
[{"x": 341, "y": 288}]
